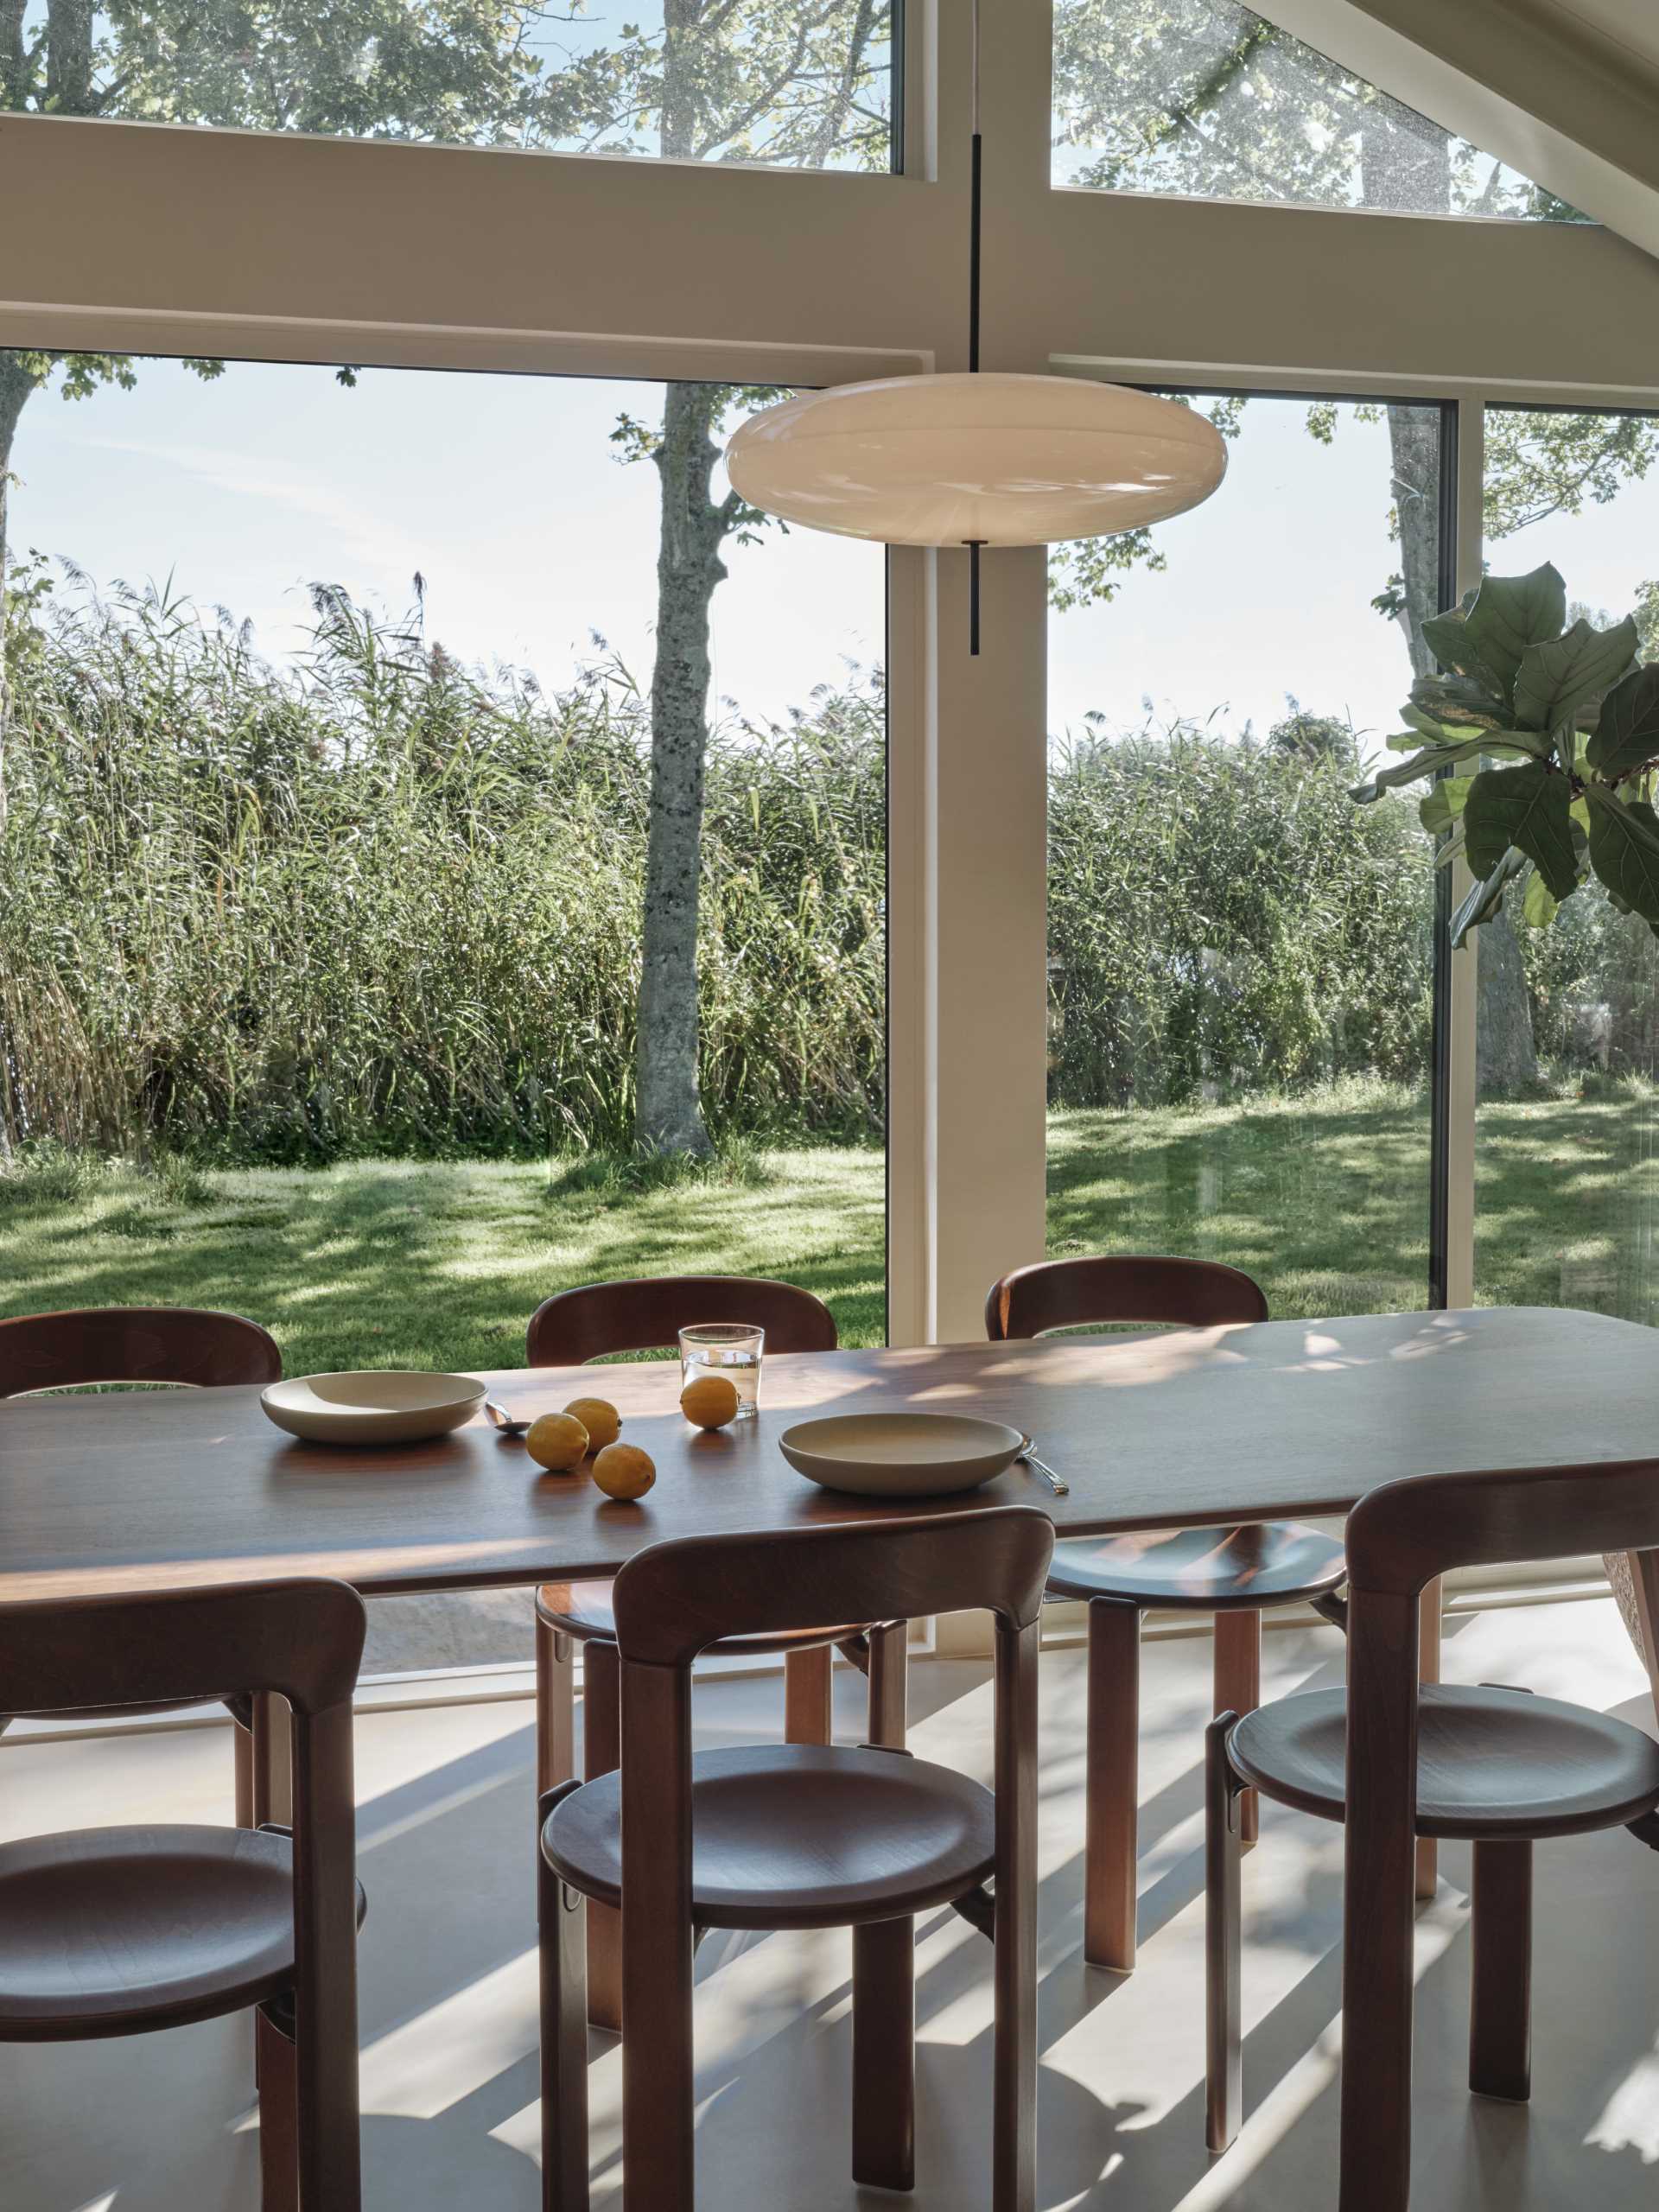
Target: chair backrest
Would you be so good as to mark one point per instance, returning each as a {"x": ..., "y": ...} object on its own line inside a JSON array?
[
  {"x": 134, "y": 1343},
  {"x": 1121, "y": 1288},
  {"x": 301, "y": 1640},
  {"x": 674, "y": 1599},
  {"x": 647, "y": 1314}
]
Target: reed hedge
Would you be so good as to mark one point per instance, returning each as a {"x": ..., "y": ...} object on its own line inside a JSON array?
[{"x": 373, "y": 901}]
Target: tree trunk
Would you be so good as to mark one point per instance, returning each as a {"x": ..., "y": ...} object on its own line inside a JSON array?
[
  {"x": 1406, "y": 162},
  {"x": 668, "y": 1114},
  {"x": 16, "y": 384}
]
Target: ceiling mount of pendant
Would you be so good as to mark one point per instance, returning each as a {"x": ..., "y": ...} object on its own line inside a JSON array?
[{"x": 980, "y": 458}]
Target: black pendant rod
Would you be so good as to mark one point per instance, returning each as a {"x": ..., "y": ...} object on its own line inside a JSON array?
[{"x": 974, "y": 204}]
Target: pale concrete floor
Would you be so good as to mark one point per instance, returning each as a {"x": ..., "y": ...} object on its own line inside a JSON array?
[{"x": 158, "y": 2124}]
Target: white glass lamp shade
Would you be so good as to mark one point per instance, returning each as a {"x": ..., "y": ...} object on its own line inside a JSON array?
[{"x": 1007, "y": 460}]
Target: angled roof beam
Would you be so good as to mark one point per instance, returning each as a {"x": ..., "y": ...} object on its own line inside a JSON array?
[{"x": 1560, "y": 99}]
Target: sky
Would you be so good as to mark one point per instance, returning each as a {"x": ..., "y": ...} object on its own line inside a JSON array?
[{"x": 505, "y": 493}]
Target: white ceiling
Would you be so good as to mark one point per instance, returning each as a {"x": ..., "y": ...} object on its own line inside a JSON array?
[
  {"x": 1633, "y": 23},
  {"x": 1567, "y": 92}
]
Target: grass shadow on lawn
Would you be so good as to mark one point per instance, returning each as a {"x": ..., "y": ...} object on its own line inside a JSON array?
[
  {"x": 1324, "y": 1198},
  {"x": 407, "y": 1263}
]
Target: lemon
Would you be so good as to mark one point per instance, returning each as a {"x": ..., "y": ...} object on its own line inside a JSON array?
[
  {"x": 710, "y": 1401},
  {"x": 624, "y": 1471},
  {"x": 557, "y": 1442},
  {"x": 599, "y": 1418}
]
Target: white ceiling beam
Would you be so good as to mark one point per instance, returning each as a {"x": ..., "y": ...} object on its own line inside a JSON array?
[{"x": 1560, "y": 99}]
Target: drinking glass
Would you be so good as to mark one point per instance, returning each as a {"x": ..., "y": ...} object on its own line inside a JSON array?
[{"x": 728, "y": 1348}]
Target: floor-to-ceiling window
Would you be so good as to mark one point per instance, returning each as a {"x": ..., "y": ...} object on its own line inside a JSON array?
[
  {"x": 330, "y": 722},
  {"x": 1241, "y": 968},
  {"x": 1568, "y": 1030},
  {"x": 742, "y": 80}
]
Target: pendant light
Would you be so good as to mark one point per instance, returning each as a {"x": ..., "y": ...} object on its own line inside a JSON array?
[{"x": 976, "y": 459}]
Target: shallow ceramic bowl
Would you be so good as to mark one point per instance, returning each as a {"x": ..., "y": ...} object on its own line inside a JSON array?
[
  {"x": 374, "y": 1406},
  {"x": 900, "y": 1455}
]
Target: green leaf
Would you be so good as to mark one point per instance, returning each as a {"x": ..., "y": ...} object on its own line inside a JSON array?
[
  {"x": 1457, "y": 701},
  {"x": 1540, "y": 906},
  {"x": 1511, "y": 613},
  {"x": 1443, "y": 803},
  {"x": 1449, "y": 637},
  {"x": 1528, "y": 808},
  {"x": 1442, "y": 756},
  {"x": 1484, "y": 900},
  {"x": 1554, "y": 680},
  {"x": 1625, "y": 851},
  {"x": 1627, "y": 735}
]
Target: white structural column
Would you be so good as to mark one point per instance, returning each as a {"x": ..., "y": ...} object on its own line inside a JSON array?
[{"x": 988, "y": 757}]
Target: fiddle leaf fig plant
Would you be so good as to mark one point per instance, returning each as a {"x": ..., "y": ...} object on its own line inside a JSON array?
[{"x": 1542, "y": 740}]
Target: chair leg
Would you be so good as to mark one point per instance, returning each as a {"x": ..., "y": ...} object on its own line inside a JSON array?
[
  {"x": 1112, "y": 1782},
  {"x": 884, "y": 2055},
  {"x": 807, "y": 1677},
  {"x": 242, "y": 1752},
  {"x": 565, "y": 2042},
  {"x": 279, "y": 2150},
  {"x": 555, "y": 1708},
  {"x": 1238, "y": 1690},
  {"x": 1428, "y": 1670},
  {"x": 602, "y": 1750},
  {"x": 1500, "y": 2023},
  {"x": 273, "y": 1770},
  {"x": 889, "y": 1685},
  {"x": 1223, "y": 1940}
]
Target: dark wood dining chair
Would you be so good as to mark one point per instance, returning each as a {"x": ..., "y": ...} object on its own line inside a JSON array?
[
  {"x": 794, "y": 1836},
  {"x": 121, "y": 1931},
  {"x": 647, "y": 1314},
  {"x": 186, "y": 1346},
  {"x": 1396, "y": 1759},
  {"x": 1231, "y": 1572}
]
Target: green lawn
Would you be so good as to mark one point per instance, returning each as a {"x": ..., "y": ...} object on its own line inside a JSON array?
[{"x": 398, "y": 1263}]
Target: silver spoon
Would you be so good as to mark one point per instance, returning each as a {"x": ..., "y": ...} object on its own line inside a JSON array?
[
  {"x": 503, "y": 1421},
  {"x": 1026, "y": 1457}
]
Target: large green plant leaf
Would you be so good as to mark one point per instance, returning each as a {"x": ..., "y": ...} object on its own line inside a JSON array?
[
  {"x": 1541, "y": 906},
  {"x": 1554, "y": 680},
  {"x": 1444, "y": 803},
  {"x": 1453, "y": 643},
  {"x": 1457, "y": 702},
  {"x": 1527, "y": 741},
  {"x": 1625, "y": 852},
  {"x": 1528, "y": 808},
  {"x": 1511, "y": 613},
  {"x": 1627, "y": 736},
  {"x": 1484, "y": 900}
]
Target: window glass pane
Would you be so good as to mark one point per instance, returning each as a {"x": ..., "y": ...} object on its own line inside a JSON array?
[
  {"x": 1240, "y": 957},
  {"x": 1567, "y": 1039},
  {"x": 1206, "y": 100},
  {"x": 328, "y": 777},
  {"x": 731, "y": 81}
]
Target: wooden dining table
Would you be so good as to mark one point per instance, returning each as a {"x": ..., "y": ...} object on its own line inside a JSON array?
[
  {"x": 168, "y": 1490},
  {"x": 122, "y": 1491}
]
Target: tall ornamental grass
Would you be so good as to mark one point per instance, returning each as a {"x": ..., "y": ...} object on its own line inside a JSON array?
[
  {"x": 382, "y": 902},
  {"x": 374, "y": 901}
]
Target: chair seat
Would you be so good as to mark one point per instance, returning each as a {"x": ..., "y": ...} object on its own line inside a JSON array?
[
  {"x": 1211, "y": 1570},
  {"x": 583, "y": 1609},
  {"x": 797, "y": 1836},
  {"x": 1491, "y": 1763},
  {"x": 109, "y": 1930}
]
